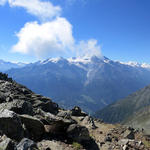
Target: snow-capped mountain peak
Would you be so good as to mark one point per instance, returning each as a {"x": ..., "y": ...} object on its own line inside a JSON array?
[{"x": 136, "y": 64}]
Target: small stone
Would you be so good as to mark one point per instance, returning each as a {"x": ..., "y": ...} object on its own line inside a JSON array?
[
  {"x": 125, "y": 147},
  {"x": 108, "y": 139},
  {"x": 129, "y": 134},
  {"x": 6, "y": 144},
  {"x": 26, "y": 144}
]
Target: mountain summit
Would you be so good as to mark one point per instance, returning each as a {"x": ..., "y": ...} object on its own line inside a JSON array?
[{"x": 89, "y": 82}]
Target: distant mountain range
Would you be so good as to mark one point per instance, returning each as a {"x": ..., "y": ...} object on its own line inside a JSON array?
[
  {"x": 134, "y": 110},
  {"x": 91, "y": 83},
  {"x": 4, "y": 66}
]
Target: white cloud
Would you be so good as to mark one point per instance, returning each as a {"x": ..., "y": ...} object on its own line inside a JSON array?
[
  {"x": 2, "y": 2},
  {"x": 89, "y": 48},
  {"x": 42, "y": 9},
  {"x": 53, "y": 38}
]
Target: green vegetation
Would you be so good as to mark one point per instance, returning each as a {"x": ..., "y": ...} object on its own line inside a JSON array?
[
  {"x": 146, "y": 143},
  {"x": 76, "y": 145}
]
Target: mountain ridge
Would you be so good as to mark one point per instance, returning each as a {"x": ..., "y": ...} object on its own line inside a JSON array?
[
  {"x": 92, "y": 83},
  {"x": 6, "y": 65}
]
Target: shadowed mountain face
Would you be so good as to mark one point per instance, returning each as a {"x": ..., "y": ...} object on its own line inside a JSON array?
[
  {"x": 123, "y": 109},
  {"x": 134, "y": 110},
  {"x": 91, "y": 83}
]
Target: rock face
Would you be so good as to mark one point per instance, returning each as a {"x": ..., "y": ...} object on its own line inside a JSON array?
[
  {"x": 34, "y": 127},
  {"x": 78, "y": 133},
  {"x": 10, "y": 124},
  {"x": 29, "y": 121}
]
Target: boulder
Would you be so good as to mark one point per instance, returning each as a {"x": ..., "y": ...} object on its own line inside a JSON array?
[
  {"x": 3, "y": 97},
  {"x": 89, "y": 122},
  {"x": 33, "y": 125},
  {"x": 46, "y": 105},
  {"x": 129, "y": 134},
  {"x": 64, "y": 114},
  {"x": 76, "y": 111},
  {"x": 52, "y": 119},
  {"x": 26, "y": 144},
  {"x": 10, "y": 124},
  {"x": 54, "y": 145},
  {"x": 6, "y": 143},
  {"x": 78, "y": 133},
  {"x": 55, "y": 124},
  {"x": 123, "y": 142},
  {"x": 18, "y": 106}
]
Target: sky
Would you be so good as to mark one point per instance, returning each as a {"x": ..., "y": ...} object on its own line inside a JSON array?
[{"x": 38, "y": 29}]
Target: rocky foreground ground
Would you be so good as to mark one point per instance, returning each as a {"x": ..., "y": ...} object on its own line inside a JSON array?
[{"x": 29, "y": 121}]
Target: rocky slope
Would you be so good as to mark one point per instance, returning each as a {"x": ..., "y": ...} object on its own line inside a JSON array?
[
  {"x": 29, "y": 121},
  {"x": 91, "y": 83},
  {"x": 134, "y": 110}
]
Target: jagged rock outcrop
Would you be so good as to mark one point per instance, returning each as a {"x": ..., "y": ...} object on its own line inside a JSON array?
[{"x": 29, "y": 121}]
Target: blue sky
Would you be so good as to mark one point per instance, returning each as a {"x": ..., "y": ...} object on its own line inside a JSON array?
[{"x": 119, "y": 29}]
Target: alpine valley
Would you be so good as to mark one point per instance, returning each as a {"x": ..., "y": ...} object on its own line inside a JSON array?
[
  {"x": 134, "y": 110},
  {"x": 89, "y": 82}
]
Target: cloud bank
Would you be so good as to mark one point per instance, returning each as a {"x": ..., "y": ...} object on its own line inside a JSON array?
[
  {"x": 88, "y": 48},
  {"x": 52, "y": 36},
  {"x": 41, "y": 9},
  {"x": 2, "y": 2}
]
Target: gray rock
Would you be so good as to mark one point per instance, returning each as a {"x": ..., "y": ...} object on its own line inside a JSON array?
[
  {"x": 26, "y": 144},
  {"x": 78, "y": 133},
  {"x": 55, "y": 124},
  {"x": 3, "y": 97},
  {"x": 33, "y": 125},
  {"x": 76, "y": 111},
  {"x": 123, "y": 142},
  {"x": 18, "y": 106},
  {"x": 129, "y": 134},
  {"x": 54, "y": 145},
  {"x": 64, "y": 114},
  {"x": 89, "y": 121},
  {"x": 6, "y": 144},
  {"x": 125, "y": 147},
  {"x": 10, "y": 124},
  {"x": 46, "y": 105},
  {"x": 108, "y": 139}
]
